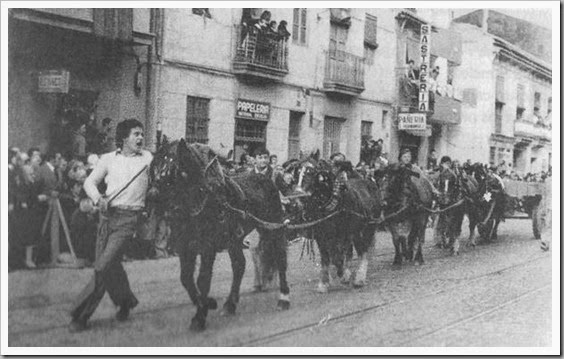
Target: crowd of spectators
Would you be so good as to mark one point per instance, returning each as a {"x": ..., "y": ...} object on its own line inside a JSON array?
[{"x": 36, "y": 179}]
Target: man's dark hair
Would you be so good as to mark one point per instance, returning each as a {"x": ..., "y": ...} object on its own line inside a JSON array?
[
  {"x": 33, "y": 149},
  {"x": 380, "y": 140},
  {"x": 50, "y": 155},
  {"x": 106, "y": 121},
  {"x": 261, "y": 151},
  {"x": 445, "y": 159},
  {"x": 123, "y": 129},
  {"x": 273, "y": 156},
  {"x": 332, "y": 157}
]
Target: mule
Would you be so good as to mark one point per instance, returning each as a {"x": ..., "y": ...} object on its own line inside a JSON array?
[
  {"x": 207, "y": 211},
  {"x": 404, "y": 191},
  {"x": 451, "y": 201},
  {"x": 352, "y": 226}
]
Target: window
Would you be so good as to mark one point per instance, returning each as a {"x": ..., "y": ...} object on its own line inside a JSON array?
[
  {"x": 250, "y": 131},
  {"x": 498, "y": 116},
  {"x": 197, "y": 119},
  {"x": 370, "y": 31},
  {"x": 331, "y": 136},
  {"x": 299, "y": 33},
  {"x": 470, "y": 96},
  {"x": 492, "y": 155},
  {"x": 537, "y": 103},
  {"x": 519, "y": 114},
  {"x": 520, "y": 102},
  {"x": 294, "y": 134},
  {"x": 338, "y": 40},
  {"x": 500, "y": 89},
  {"x": 384, "y": 119},
  {"x": 370, "y": 43},
  {"x": 365, "y": 131}
]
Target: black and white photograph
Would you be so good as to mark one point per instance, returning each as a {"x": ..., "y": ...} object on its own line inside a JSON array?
[{"x": 280, "y": 181}]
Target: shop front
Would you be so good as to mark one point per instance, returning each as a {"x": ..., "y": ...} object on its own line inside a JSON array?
[
  {"x": 60, "y": 77},
  {"x": 251, "y": 120}
]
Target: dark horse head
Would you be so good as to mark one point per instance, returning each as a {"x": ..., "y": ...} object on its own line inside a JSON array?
[
  {"x": 449, "y": 188},
  {"x": 395, "y": 186}
]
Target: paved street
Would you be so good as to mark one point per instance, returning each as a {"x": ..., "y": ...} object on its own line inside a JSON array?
[{"x": 497, "y": 295}]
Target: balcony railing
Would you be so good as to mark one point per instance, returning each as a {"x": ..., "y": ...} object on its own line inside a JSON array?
[
  {"x": 260, "y": 54},
  {"x": 530, "y": 129},
  {"x": 344, "y": 73}
]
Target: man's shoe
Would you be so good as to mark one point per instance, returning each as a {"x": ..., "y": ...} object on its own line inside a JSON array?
[{"x": 77, "y": 326}]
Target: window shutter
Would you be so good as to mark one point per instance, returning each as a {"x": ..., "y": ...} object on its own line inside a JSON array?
[
  {"x": 520, "y": 96},
  {"x": 499, "y": 89},
  {"x": 370, "y": 31}
]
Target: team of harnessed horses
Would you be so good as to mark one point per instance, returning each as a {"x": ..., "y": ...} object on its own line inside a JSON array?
[{"x": 210, "y": 211}]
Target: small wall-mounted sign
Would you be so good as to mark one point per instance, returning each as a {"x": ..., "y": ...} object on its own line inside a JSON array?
[
  {"x": 253, "y": 110},
  {"x": 53, "y": 81}
]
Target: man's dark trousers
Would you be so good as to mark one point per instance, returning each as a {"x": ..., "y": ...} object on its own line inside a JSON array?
[{"x": 109, "y": 274}]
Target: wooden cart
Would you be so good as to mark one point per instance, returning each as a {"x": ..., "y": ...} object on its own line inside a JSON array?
[{"x": 525, "y": 198}]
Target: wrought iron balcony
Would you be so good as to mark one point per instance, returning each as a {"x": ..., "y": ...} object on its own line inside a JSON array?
[
  {"x": 344, "y": 73},
  {"x": 260, "y": 54}
]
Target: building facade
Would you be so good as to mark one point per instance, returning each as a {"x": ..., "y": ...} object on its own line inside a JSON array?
[
  {"x": 443, "y": 110},
  {"x": 507, "y": 91},
  {"x": 325, "y": 87},
  {"x": 69, "y": 64}
]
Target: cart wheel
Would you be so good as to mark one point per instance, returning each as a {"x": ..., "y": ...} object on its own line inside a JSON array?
[{"x": 536, "y": 222}]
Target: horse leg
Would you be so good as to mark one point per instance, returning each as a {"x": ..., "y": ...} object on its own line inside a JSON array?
[
  {"x": 346, "y": 275},
  {"x": 363, "y": 245},
  {"x": 204, "y": 281},
  {"x": 187, "y": 255},
  {"x": 238, "y": 263},
  {"x": 472, "y": 221},
  {"x": 419, "y": 238},
  {"x": 281, "y": 246},
  {"x": 323, "y": 285},
  {"x": 494, "y": 231},
  {"x": 396, "y": 240}
]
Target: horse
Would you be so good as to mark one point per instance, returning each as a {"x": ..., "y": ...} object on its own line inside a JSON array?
[
  {"x": 209, "y": 214},
  {"x": 404, "y": 192},
  {"x": 351, "y": 225},
  {"x": 450, "y": 201},
  {"x": 485, "y": 208}
]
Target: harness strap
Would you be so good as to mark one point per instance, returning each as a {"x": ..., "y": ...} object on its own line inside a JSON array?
[
  {"x": 273, "y": 225},
  {"x": 434, "y": 211}
]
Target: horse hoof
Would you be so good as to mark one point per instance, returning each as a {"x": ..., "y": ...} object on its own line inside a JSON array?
[
  {"x": 346, "y": 278},
  {"x": 212, "y": 304},
  {"x": 283, "y": 305},
  {"x": 228, "y": 309},
  {"x": 322, "y": 288},
  {"x": 197, "y": 325},
  {"x": 358, "y": 284}
]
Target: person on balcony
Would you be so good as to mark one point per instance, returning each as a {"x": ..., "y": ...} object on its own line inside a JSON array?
[
  {"x": 412, "y": 72},
  {"x": 283, "y": 32}
]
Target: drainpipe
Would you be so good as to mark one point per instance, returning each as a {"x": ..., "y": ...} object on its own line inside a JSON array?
[{"x": 153, "y": 124}]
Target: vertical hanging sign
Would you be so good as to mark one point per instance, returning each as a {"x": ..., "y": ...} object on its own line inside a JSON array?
[{"x": 425, "y": 50}]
